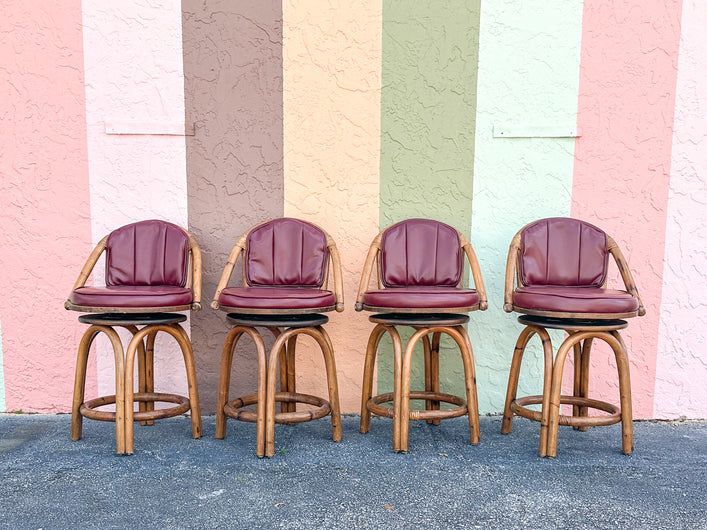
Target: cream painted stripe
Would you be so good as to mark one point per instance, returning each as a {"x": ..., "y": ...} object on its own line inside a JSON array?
[
  {"x": 528, "y": 76},
  {"x": 681, "y": 370},
  {"x": 331, "y": 84},
  {"x": 3, "y": 406},
  {"x": 134, "y": 74}
]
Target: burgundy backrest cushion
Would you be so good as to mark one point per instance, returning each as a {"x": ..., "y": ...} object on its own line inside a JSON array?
[
  {"x": 420, "y": 252},
  {"x": 563, "y": 251},
  {"x": 286, "y": 252},
  {"x": 147, "y": 253}
]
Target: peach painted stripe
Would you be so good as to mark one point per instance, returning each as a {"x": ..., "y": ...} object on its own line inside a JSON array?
[
  {"x": 44, "y": 204},
  {"x": 134, "y": 75},
  {"x": 628, "y": 75},
  {"x": 680, "y": 388},
  {"x": 332, "y": 148}
]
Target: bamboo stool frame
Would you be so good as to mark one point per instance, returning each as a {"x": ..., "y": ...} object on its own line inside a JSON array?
[
  {"x": 582, "y": 329},
  {"x": 281, "y": 357},
  {"x": 402, "y": 361},
  {"x": 142, "y": 344},
  {"x": 402, "y": 367}
]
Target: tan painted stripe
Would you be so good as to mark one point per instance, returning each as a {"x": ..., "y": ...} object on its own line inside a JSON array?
[{"x": 331, "y": 88}]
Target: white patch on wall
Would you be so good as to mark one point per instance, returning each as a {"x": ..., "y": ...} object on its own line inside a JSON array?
[
  {"x": 681, "y": 370},
  {"x": 523, "y": 161},
  {"x": 134, "y": 75}
]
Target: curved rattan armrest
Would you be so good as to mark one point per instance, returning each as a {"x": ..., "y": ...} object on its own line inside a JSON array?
[
  {"x": 196, "y": 272},
  {"x": 368, "y": 270},
  {"x": 475, "y": 271},
  {"x": 87, "y": 269},
  {"x": 338, "y": 274},
  {"x": 228, "y": 270},
  {"x": 511, "y": 271},
  {"x": 626, "y": 276}
]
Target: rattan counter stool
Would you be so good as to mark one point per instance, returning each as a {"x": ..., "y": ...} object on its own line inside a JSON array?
[
  {"x": 285, "y": 267},
  {"x": 560, "y": 265},
  {"x": 420, "y": 278},
  {"x": 152, "y": 268}
]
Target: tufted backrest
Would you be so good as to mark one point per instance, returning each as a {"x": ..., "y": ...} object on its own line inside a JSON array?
[
  {"x": 420, "y": 252},
  {"x": 286, "y": 252},
  {"x": 147, "y": 253},
  {"x": 563, "y": 251}
]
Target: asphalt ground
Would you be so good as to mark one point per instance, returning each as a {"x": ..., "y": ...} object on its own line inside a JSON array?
[{"x": 173, "y": 481}]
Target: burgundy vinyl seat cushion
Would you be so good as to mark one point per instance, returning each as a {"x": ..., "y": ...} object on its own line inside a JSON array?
[
  {"x": 420, "y": 252},
  {"x": 130, "y": 296},
  {"x": 147, "y": 253},
  {"x": 419, "y": 297},
  {"x": 286, "y": 252},
  {"x": 276, "y": 298},
  {"x": 574, "y": 299}
]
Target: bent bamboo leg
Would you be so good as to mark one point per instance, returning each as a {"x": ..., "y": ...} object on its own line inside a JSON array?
[
  {"x": 556, "y": 388},
  {"x": 224, "y": 379},
  {"x": 584, "y": 374},
  {"x": 472, "y": 400},
  {"x": 398, "y": 418},
  {"x": 141, "y": 370},
  {"x": 624, "y": 369},
  {"x": 512, "y": 390},
  {"x": 428, "y": 373},
  {"x": 547, "y": 389},
  {"x": 332, "y": 381},
  {"x": 189, "y": 364},
  {"x": 270, "y": 393},
  {"x": 434, "y": 365},
  {"x": 80, "y": 381},
  {"x": 282, "y": 361},
  {"x": 368, "y": 366},
  {"x": 290, "y": 371},
  {"x": 150, "y": 370},
  {"x": 576, "y": 383}
]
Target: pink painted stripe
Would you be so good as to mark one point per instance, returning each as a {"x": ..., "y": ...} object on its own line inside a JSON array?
[
  {"x": 44, "y": 204},
  {"x": 627, "y": 86},
  {"x": 680, "y": 388}
]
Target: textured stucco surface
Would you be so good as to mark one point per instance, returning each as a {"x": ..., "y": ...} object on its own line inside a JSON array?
[
  {"x": 44, "y": 202},
  {"x": 233, "y": 95},
  {"x": 621, "y": 175},
  {"x": 428, "y": 111},
  {"x": 2, "y": 376},
  {"x": 332, "y": 130},
  {"x": 133, "y": 62},
  {"x": 528, "y": 74},
  {"x": 681, "y": 369}
]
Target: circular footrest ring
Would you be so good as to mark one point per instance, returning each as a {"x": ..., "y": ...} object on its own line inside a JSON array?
[
  {"x": 234, "y": 409},
  {"x": 519, "y": 407},
  {"x": 374, "y": 405},
  {"x": 88, "y": 408}
]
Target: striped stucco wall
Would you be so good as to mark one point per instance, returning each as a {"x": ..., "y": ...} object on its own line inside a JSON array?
[
  {"x": 217, "y": 115},
  {"x": 428, "y": 111},
  {"x": 681, "y": 370},
  {"x": 331, "y": 86},
  {"x": 136, "y": 156},
  {"x": 622, "y": 159},
  {"x": 44, "y": 198},
  {"x": 522, "y": 90}
]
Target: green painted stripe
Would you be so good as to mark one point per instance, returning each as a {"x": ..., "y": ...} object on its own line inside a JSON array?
[
  {"x": 428, "y": 112},
  {"x": 528, "y": 80},
  {"x": 3, "y": 406}
]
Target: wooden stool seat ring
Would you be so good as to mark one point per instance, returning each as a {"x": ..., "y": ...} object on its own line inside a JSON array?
[
  {"x": 426, "y": 325},
  {"x": 234, "y": 409},
  {"x": 124, "y": 415}
]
